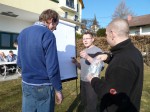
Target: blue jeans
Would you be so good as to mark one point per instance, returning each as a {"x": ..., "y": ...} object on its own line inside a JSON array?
[{"x": 37, "y": 98}]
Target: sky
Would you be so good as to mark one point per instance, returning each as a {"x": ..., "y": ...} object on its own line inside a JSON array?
[{"x": 104, "y": 9}]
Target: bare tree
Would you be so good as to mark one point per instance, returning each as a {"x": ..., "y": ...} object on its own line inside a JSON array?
[
  {"x": 91, "y": 24},
  {"x": 87, "y": 22},
  {"x": 122, "y": 11}
]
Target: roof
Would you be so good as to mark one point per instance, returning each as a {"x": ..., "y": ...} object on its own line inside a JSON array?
[
  {"x": 139, "y": 20},
  {"x": 81, "y": 1}
]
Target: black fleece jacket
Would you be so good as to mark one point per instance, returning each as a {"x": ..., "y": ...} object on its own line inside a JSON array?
[{"x": 121, "y": 89}]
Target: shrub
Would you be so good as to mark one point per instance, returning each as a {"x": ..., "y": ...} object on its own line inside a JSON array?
[
  {"x": 78, "y": 36},
  {"x": 101, "y": 32}
]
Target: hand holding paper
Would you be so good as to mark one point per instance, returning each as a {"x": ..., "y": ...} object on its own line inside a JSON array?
[{"x": 95, "y": 69}]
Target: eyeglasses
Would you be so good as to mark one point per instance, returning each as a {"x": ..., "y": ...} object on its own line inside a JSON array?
[{"x": 86, "y": 38}]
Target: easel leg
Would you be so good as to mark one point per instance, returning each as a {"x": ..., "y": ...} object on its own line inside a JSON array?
[{"x": 77, "y": 87}]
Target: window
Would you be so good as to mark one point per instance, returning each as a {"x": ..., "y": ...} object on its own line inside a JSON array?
[
  {"x": 76, "y": 28},
  {"x": 75, "y": 18},
  {"x": 66, "y": 14},
  {"x": 70, "y": 3},
  {"x": 7, "y": 40},
  {"x": 137, "y": 32},
  {"x": 77, "y": 7}
]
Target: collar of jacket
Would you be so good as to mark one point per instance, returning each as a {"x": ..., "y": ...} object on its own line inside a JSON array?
[
  {"x": 40, "y": 24},
  {"x": 119, "y": 47}
]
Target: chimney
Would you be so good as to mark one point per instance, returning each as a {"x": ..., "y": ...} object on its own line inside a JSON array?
[{"x": 129, "y": 18}]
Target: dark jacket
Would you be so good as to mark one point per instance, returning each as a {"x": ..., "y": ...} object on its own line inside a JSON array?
[{"x": 121, "y": 89}]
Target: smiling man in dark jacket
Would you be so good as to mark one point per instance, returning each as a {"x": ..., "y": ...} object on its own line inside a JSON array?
[{"x": 121, "y": 89}]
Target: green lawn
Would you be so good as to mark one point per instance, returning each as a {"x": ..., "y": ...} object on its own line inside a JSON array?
[
  {"x": 145, "y": 103},
  {"x": 10, "y": 95}
]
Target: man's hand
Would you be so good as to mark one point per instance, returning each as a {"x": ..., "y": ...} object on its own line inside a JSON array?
[
  {"x": 83, "y": 54},
  {"x": 59, "y": 97},
  {"x": 74, "y": 60},
  {"x": 102, "y": 57},
  {"x": 89, "y": 77}
]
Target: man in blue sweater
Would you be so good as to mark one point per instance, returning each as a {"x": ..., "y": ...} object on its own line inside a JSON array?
[{"x": 37, "y": 57}]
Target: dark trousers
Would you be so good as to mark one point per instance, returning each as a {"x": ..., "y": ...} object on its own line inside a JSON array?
[{"x": 88, "y": 97}]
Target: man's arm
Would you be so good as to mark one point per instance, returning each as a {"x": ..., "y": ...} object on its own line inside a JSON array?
[
  {"x": 106, "y": 57},
  {"x": 52, "y": 66},
  {"x": 84, "y": 55},
  {"x": 118, "y": 81},
  {"x": 74, "y": 60}
]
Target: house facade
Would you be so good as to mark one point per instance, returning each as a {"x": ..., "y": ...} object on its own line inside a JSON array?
[
  {"x": 15, "y": 15},
  {"x": 139, "y": 25}
]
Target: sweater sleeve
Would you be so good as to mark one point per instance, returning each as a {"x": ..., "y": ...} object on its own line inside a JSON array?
[
  {"x": 52, "y": 64},
  {"x": 119, "y": 80}
]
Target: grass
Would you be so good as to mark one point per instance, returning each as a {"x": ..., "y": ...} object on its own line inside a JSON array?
[
  {"x": 145, "y": 101},
  {"x": 10, "y": 95}
]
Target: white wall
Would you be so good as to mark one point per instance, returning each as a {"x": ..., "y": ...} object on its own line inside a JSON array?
[
  {"x": 144, "y": 30},
  {"x": 10, "y": 24}
]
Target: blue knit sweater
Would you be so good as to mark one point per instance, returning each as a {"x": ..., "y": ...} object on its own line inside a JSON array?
[{"x": 37, "y": 57}]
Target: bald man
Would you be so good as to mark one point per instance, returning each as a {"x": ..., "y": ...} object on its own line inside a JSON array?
[{"x": 121, "y": 89}]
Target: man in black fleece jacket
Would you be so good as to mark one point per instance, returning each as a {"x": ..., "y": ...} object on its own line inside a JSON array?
[{"x": 121, "y": 89}]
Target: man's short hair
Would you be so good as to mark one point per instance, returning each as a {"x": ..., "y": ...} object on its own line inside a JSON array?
[
  {"x": 89, "y": 32},
  {"x": 120, "y": 25},
  {"x": 49, "y": 14}
]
